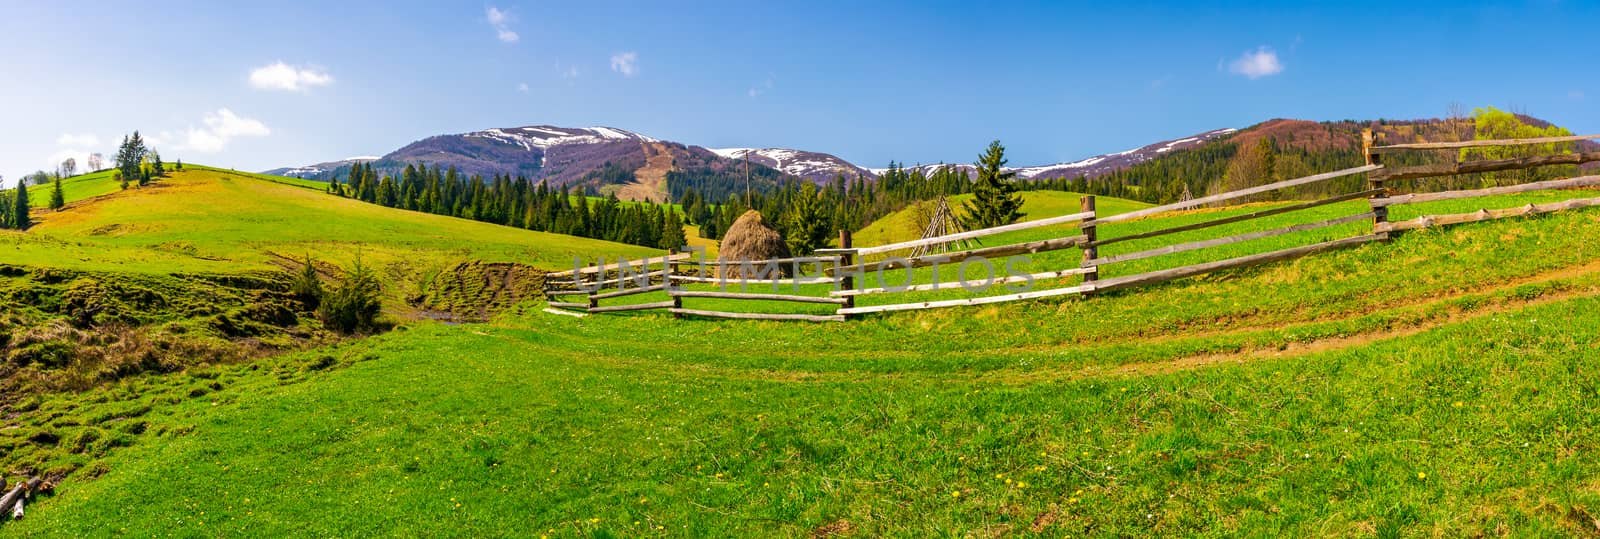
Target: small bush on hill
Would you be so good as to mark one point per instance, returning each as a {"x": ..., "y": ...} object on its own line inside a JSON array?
[
  {"x": 307, "y": 288},
  {"x": 352, "y": 306}
]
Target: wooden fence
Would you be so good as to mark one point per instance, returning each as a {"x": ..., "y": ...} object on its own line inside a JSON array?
[{"x": 840, "y": 267}]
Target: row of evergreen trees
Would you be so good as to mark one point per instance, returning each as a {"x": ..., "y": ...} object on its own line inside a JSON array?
[
  {"x": 514, "y": 201},
  {"x": 806, "y": 214}
]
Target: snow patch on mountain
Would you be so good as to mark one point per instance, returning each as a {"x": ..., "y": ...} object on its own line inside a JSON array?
[{"x": 544, "y": 137}]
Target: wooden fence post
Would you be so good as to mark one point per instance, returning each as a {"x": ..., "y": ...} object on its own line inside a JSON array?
[
  {"x": 1375, "y": 180},
  {"x": 847, "y": 281},
  {"x": 1090, "y": 250},
  {"x": 666, "y": 281}
]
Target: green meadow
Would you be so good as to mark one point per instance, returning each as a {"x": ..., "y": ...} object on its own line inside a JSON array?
[{"x": 1438, "y": 384}]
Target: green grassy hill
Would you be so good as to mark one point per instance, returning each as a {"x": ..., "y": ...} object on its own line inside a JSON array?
[
  {"x": 215, "y": 220},
  {"x": 1438, "y": 384}
]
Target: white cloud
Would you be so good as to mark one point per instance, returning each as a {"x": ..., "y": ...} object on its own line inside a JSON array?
[
  {"x": 501, "y": 21},
  {"x": 626, "y": 63},
  {"x": 69, "y": 139},
  {"x": 1262, "y": 62},
  {"x": 221, "y": 127},
  {"x": 1575, "y": 95},
  {"x": 570, "y": 73},
  {"x": 522, "y": 87},
  {"x": 762, "y": 88},
  {"x": 281, "y": 76}
]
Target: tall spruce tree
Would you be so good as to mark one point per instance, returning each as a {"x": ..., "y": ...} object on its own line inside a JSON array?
[
  {"x": 19, "y": 208},
  {"x": 672, "y": 236},
  {"x": 995, "y": 201},
  {"x": 57, "y": 197},
  {"x": 808, "y": 226}
]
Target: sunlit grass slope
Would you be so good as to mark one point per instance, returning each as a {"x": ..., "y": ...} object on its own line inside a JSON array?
[{"x": 214, "y": 220}]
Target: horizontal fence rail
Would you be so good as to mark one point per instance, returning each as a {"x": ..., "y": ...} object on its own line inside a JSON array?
[
  {"x": 953, "y": 285},
  {"x": 1486, "y": 215},
  {"x": 1483, "y": 165},
  {"x": 1480, "y": 143},
  {"x": 1235, "y": 195},
  {"x": 1569, "y": 183},
  {"x": 939, "y": 240}
]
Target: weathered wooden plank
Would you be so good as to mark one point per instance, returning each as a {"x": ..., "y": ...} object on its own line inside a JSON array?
[
  {"x": 719, "y": 280},
  {"x": 947, "y": 238},
  {"x": 1568, "y": 183},
  {"x": 1479, "y": 143},
  {"x": 1232, "y": 195},
  {"x": 565, "y": 313},
  {"x": 764, "y": 297},
  {"x": 565, "y": 292},
  {"x": 632, "y": 278},
  {"x": 568, "y": 305},
  {"x": 1239, "y": 218},
  {"x": 958, "y": 256},
  {"x": 1035, "y": 294},
  {"x": 1486, "y": 215},
  {"x": 633, "y": 307},
  {"x": 630, "y": 292},
  {"x": 1195, "y": 245},
  {"x": 759, "y": 263},
  {"x": 761, "y": 316},
  {"x": 1473, "y": 167},
  {"x": 956, "y": 285},
  {"x": 617, "y": 266},
  {"x": 1240, "y": 262}
]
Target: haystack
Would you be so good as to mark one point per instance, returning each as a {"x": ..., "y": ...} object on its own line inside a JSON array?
[{"x": 750, "y": 238}]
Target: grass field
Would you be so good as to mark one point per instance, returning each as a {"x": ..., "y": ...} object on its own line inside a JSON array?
[
  {"x": 214, "y": 220},
  {"x": 1439, "y": 384}
]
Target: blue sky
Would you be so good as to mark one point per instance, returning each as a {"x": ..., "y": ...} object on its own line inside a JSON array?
[{"x": 913, "y": 81}]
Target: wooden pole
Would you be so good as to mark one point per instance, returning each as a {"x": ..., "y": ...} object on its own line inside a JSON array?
[
  {"x": 1380, "y": 214},
  {"x": 848, "y": 281},
  {"x": 677, "y": 302},
  {"x": 1090, "y": 250}
]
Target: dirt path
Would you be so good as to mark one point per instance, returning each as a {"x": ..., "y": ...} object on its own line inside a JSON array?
[{"x": 651, "y": 179}]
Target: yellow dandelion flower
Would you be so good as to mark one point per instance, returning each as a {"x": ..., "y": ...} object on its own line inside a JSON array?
[
  {"x": 955, "y": 494},
  {"x": 1421, "y": 476}
]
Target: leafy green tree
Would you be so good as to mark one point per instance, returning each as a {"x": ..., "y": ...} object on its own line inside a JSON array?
[
  {"x": 1490, "y": 123},
  {"x": 995, "y": 201},
  {"x": 19, "y": 208},
  {"x": 58, "y": 199}
]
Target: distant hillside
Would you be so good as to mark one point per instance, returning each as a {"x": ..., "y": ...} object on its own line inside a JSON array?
[
  {"x": 1282, "y": 149},
  {"x": 320, "y": 171},
  {"x": 607, "y": 160}
]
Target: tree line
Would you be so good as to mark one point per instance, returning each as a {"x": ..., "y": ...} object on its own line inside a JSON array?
[
  {"x": 514, "y": 201},
  {"x": 808, "y": 215}
]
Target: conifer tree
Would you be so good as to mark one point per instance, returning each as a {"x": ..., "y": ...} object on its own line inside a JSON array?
[
  {"x": 808, "y": 226},
  {"x": 19, "y": 208},
  {"x": 58, "y": 199},
  {"x": 995, "y": 201},
  {"x": 672, "y": 236}
]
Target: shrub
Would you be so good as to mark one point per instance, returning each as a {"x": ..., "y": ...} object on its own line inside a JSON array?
[
  {"x": 353, "y": 305},
  {"x": 307, "y": 287}
]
